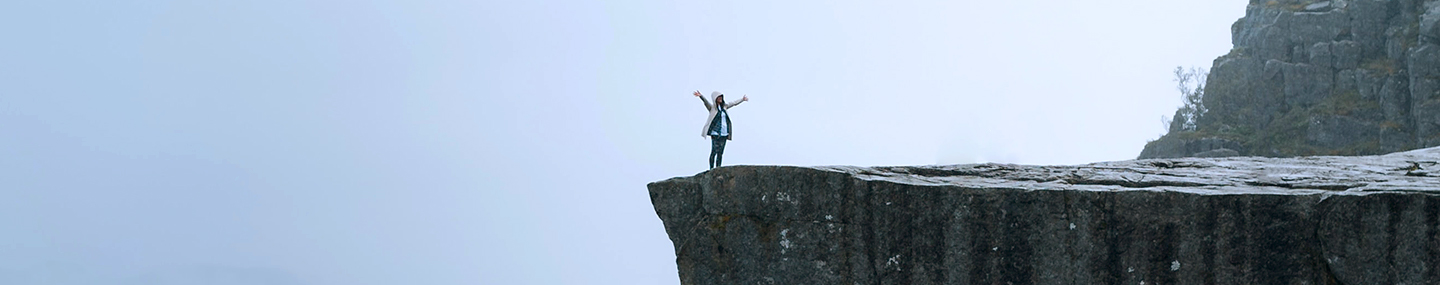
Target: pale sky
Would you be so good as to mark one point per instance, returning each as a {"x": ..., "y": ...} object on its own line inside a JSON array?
[{"x": 509, "y": 142}]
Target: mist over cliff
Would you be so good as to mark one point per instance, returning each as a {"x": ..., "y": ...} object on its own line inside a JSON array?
[{"x": 1305, "y": 78}]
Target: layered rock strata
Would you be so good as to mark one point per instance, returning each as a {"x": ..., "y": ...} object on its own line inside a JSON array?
[
  {"x": 1312, "y": 77},
  {"x": 1237, "y": 220}
]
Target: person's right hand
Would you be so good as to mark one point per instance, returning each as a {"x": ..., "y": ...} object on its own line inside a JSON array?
[{"x": 697, "y": 94}]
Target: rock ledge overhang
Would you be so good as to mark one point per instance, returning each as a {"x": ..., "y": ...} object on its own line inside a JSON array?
[{"x": 1306, "y": 220}]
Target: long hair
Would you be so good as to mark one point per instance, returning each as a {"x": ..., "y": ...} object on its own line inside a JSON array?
[{"x": 720, "y": 101}]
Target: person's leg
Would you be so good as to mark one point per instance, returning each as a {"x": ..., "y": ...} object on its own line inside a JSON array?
[
  {"x": 714, "y": 149},
  {"x": 720, "y": 149}
]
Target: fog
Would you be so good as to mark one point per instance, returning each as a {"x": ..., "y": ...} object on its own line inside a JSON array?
[{"x": 509, "y": 142}]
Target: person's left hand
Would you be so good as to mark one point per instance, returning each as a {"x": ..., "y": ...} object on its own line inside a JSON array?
[{"x": 744, "y": 98}]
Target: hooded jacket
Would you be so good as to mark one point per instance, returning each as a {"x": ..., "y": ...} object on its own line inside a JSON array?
[{"x": 705, "y": 132}]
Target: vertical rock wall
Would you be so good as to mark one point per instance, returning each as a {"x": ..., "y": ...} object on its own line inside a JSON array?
[
  {"x": 1314, "y": 220},
  {"x": 1343, "y": 77}
]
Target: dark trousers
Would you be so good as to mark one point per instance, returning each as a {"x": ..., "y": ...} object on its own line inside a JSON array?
[{"x": 717, "y": 149}]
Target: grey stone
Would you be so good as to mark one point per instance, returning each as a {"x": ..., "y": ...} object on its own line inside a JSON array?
[
  {"x": 1320, "y": 55},
  {"x": 1300, "y": 54},
  {"x": 1237, "y": 220},
  {"x": 1366, "y": 82},
  {"x": 1306, "y": 84},
  {"x": 1346, "y": 132},
  {"x": 1369, "y": 20},
  {"x": 1395, "y": 99},
  {"x": 1309, "y": 28},
  {"x": 1261, "y": 33},
  {"x": 1395, "y": 43},
  {"x": 1295, "y": 60},
  {"x": 1177, "y": 122},
  {"x": 1347, "y": 81},
  {"x": 1427, "y": 122},
  {"x": 1275, "y": 68},
  {"x": 1244, "y": 91},
  {"x": 1424, "y": 66},
  {"x": 1165, "y": 147},
  {"x": 1346, "y": 54},
  {"x": 1221, "y": 152},
  {"x": 1209, "y": 144},
  {"x": 1172, "y": 147},
  {"x": 1430, "y": 22}
]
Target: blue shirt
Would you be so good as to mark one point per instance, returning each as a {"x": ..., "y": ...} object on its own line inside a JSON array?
[{"x": 721, "y": 125}]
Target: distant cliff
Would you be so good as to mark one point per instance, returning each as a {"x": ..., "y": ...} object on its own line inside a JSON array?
[
  {"x": 1307, "y": 77},
  {"x": 1238, "y": 220}
]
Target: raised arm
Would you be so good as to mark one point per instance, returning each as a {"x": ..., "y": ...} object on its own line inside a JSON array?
[
  {"x": 737, "y": 103},
  {"x": 702, "y": 100}
]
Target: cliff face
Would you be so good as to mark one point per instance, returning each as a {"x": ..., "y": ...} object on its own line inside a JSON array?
[
  {"x": 1321, "y": 78},
  {"x": 1309, "y": 220}
]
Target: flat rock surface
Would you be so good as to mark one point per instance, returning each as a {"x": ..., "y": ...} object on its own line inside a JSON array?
[{"x": 1233, "y": 220}]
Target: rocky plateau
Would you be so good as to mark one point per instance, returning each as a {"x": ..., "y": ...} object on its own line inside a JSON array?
[{"x": 1231, "y": 220}]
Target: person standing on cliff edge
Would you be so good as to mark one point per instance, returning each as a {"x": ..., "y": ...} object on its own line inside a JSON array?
[{"x": 717, "y": 126}]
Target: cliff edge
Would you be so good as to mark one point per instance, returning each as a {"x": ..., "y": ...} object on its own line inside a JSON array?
[{"x": 1237, "y": 220}]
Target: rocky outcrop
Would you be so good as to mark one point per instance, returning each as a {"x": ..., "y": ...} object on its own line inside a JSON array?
[
  {"x": 1342, "y": 77},
  {"x": 1201, "y": 147},
  {"x": 1236, "y": 220}
]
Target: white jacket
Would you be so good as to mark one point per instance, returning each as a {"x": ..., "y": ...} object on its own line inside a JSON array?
[{"x": 705, "y": 132}]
